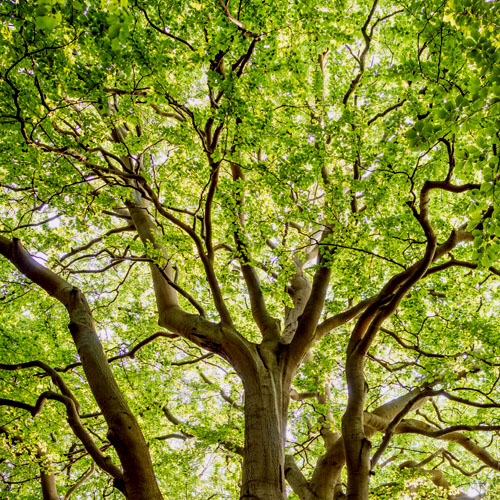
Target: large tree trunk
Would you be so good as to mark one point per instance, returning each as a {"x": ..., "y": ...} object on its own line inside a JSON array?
[{"x": 266, "y": 407}]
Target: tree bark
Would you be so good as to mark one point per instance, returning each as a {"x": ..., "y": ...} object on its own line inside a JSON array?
[
  {"x": 48, "y": 481},
  {"x": 266, "y": 408},
  {"x": 357, "y": 445}
]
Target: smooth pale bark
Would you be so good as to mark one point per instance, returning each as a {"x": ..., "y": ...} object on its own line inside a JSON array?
[
  {"x": 146, "y": 230},
  {"x": 263, "y": 458},
  {"x": 326, "y": 478},
  {"x": 266, "y": 408}
]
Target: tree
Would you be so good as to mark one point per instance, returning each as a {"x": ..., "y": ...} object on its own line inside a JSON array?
[{"x": 303, "y": 196}]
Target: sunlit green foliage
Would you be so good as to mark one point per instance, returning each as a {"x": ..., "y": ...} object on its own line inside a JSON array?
[{"x": 425, "y": 108}]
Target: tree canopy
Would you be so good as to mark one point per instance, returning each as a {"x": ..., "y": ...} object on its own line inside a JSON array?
[{"x": 248, "y": 249}]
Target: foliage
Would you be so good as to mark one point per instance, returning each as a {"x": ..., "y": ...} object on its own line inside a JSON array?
[{"x": 283, "y": 137}]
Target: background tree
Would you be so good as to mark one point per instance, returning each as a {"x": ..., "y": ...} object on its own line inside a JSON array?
[{"x": 303, "y": 195}]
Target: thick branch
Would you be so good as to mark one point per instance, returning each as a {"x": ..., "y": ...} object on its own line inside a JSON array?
[
  {"x": 452, "y": 434},
  {"x": 174, "y": 116},
  {"x": 124, "y": 432},
  {"x": 299, "y": 290},
  {"x": 295, "y": 478},
  {"x": 343, "y": 317},
  {"x": 209, "y": 270},
  {"x": 331, "y": 463},
  {"x": 307, "y": 322},
  {"x": 207, "y": 219}
]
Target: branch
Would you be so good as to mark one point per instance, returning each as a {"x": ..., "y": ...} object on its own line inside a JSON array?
[
  {"x": 443, "y": 433},
  {"x": 456, "y": 236},
  {"x": 307, "y": 323},
  {"x": 223, "y": 394},
  {"x": 329, "y": 436},
  {"x": 56, "y": 378},
  {"x": 370, "y": 322},
  {"x": 299, "y": 290},
  {"x": 165, "y": 295},
  {"x": 437, "y": 477},
  {"x": 451, "y": 434},
  {"x": 459, "y": 263},
  {"x": 137, "y": 91},
  {"x": 117, "y": 230},
  {"x": 192, "y": 361},
  {"x": 376, "y": 421},
  {"x": 301, "y": 396},
  {"x": 18, "y": 404},
  {"x": 368, "y": 252},
  {"x": 183, "y": 292},
  {"x": 296, "y": 478},
  {"x": 130, "y": 354},
  {"x": 246, "y": 57},
  {"x": 417, "y": 349},
  {"x": 332, "y": 462},
  {"x": 50, "y": 282},
  {"x": 361, "y": 61},
  {"x": 234, "y": 448},
  {"x": 236, "y": 22},
  {"x": 465, "y": 401},
  {"x": 80, "y": 481},
  {"x": 268, "y": 326},
  {"x": 389, "y": 432},
  {"x": 207, "y": 219},
  {"x": 386, "y": 111},
  {"x": 163, "y": 31},
  {"x": 172, "y": 435},
  {"x": 104, "y": 462},
  {"x": 175, "y": 116},
  {"x": 367, "y": 36},
  {"x": 343, "y": 317},
  {"x": 206, "y": 334}
]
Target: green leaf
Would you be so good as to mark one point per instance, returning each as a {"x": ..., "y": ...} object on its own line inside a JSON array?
[
  {"x": 487, "y": 174},
  {"x": 46, "y": 22},
  {"x": 114, "y": 30}
]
